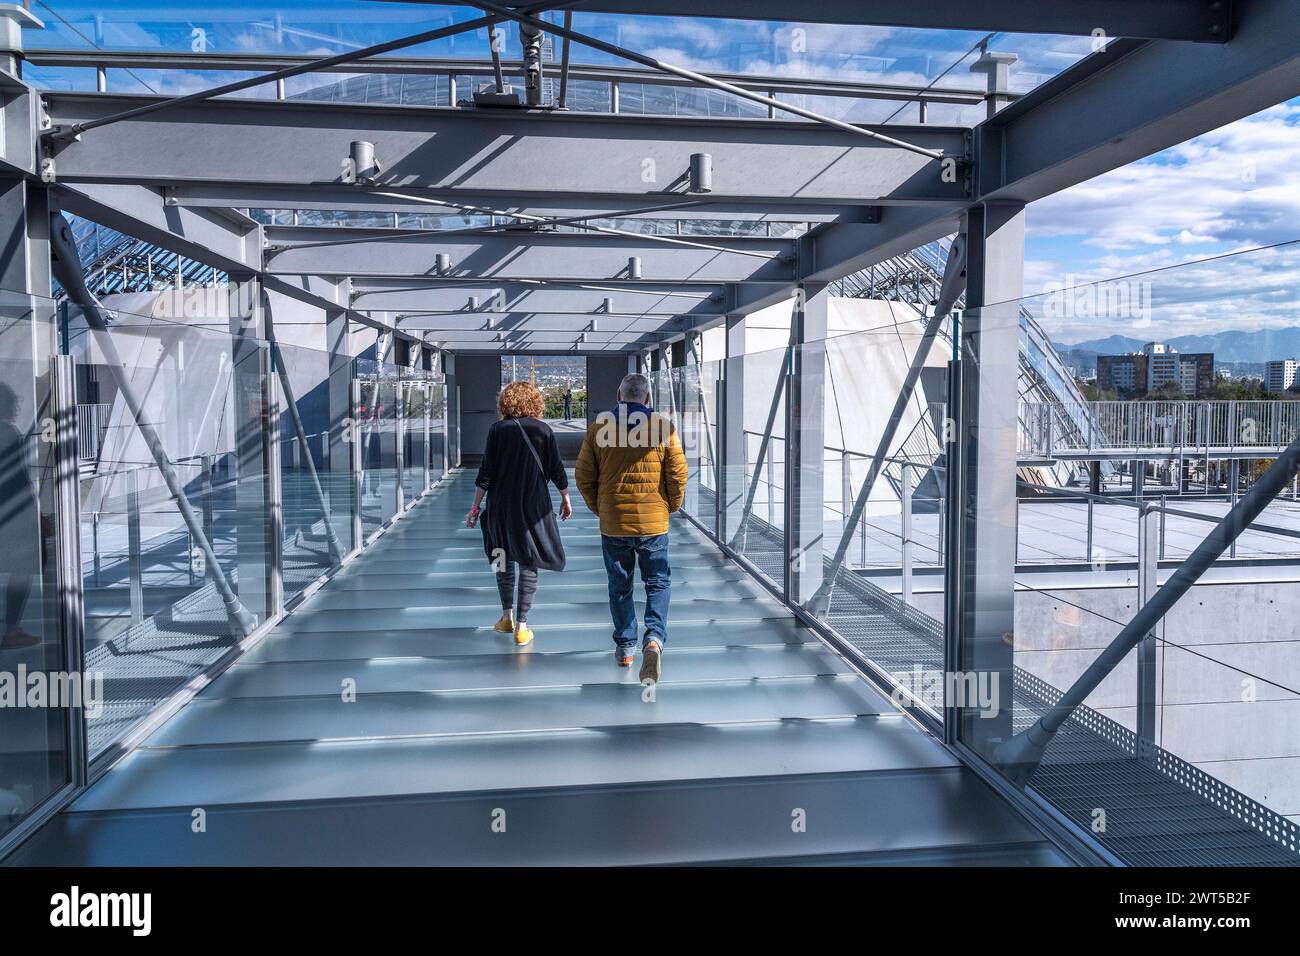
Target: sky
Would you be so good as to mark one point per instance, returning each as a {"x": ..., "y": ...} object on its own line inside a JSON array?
[{"x": 1182, "y": 223}]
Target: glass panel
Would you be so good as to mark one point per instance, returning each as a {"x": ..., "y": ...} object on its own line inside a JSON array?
[
  {"x": 377, "y": 431},
  {"x": 883, "y": 542},
  {"x": 698, "y": 391},
  {"x": 415, "y": 410},
  {"x": 437, "y": 430},
  {"x": 315, "y": 475},
  {"x": 755, "y": 483},
  {"x": 173, "y": 578},
  {"x": 34, "y": 754},
  {"x": 1133, "y": 443}
]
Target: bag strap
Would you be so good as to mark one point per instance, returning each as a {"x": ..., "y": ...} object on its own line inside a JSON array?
[{"x": 527, "y": 441}]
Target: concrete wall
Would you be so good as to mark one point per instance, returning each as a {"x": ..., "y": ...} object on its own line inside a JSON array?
[
  {"x": 603, "y": 376},
  {"x": 1210, "y": 710},
  {"x": 479, "y": 379}
]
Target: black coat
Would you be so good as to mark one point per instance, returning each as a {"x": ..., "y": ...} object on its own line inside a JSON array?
[{"x": 519, "y": 518}]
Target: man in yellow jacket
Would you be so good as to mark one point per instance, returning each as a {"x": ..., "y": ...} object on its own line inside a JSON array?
[{"x": 632, "y": 473}]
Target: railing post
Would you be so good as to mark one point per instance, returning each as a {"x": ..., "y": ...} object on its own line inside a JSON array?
[
  {"x": 771, "y": 487},
  {"x": 67, "y": 515},
  {"x": 906, "y": 485},
  {"x": 399, "y": 443},
  {"x": 355, "y": 452},
  {"x": 1149, "y": 542},
  {"x": 205, "y": 489},
  {"x": 94, "y": 543},
  {"x": 426, "y": 400},
  {"x": 1234, "y": 483},
  {"x": 846, "y": 485},
  {"x": 134, "y": 558},
  {"x": 1088, "y": 545},
  {"x": 1164, "y": 503}
]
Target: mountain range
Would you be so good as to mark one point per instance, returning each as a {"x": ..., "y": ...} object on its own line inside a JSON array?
[{"x": 1262, "y": 345}]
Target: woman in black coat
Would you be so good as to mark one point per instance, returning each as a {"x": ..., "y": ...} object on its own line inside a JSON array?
[{"x": 518, "y": 523}]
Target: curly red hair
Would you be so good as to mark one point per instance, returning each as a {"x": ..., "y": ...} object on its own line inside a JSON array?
[{"x": 520, "y": 400}]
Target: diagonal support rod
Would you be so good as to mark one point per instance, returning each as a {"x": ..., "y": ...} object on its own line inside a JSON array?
[
  {"x": 1020, "y": 756},
  {"x": 67, "y": 267},
  {"x": 778, "y": 393},
  {"x": 699, "y": 78},
  {"x": 291, "y": 402},
  {"x": 954, "y": 282}
]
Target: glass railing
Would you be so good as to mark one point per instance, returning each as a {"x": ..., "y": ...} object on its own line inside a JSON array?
[
  {"x": 36, "y": 740},
  {"x": 1128, "y": 638},
  {"x": 212, "y": 476},
  {"x": 873, "y": 546}
]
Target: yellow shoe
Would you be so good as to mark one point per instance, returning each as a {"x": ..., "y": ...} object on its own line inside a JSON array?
[
  {"x": 523, "y": 635},
  {"x": 505, "y": 625}
]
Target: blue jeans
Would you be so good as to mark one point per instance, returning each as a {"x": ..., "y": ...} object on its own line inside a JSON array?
[{"x": 622, "y": 556}]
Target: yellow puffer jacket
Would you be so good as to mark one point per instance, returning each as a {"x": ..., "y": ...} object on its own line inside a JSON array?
[{"x": 632, "y": 472}]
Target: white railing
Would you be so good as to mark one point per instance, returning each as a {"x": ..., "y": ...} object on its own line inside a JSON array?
[
  {"x": 92, "y": 423},
  {"x": 1176, "y": 427}
]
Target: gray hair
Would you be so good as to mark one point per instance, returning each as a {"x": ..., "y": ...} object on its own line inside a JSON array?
[{"x": 634, "y": 388}]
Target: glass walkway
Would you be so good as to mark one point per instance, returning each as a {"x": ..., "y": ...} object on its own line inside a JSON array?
[{"x": 384, "y": 722}]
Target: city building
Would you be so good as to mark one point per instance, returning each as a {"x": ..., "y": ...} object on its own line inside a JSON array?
[
  {"x": 1125, "y": 374},
  {"x": 1156, "y": 367},
  {"x": 1280, "y": 375}
]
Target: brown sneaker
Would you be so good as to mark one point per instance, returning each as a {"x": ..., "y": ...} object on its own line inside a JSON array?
[
  {"x": 624, "y": 658},
  {"x": 651, "y": 665}
]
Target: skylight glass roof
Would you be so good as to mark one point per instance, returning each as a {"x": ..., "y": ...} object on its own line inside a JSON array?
[{"x": 937, "y": 59}]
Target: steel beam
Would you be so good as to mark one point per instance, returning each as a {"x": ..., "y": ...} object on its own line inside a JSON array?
[
  {"x": 517, "y": 153},
  {"x": 527, "y": 256},
  {"x": 488, "y": 302},
  {"x": 366, "y": 199},
  {"x": 515, "y": 323},
  {"x": 1087, "y": 120},
  {"x": 982, "y": 558},
  {"x": 1196, "y": 20},
  {"x": 198, "y": 234}
]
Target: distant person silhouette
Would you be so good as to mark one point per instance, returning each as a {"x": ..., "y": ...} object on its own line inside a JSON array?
[{"x": 568, "y": 404}]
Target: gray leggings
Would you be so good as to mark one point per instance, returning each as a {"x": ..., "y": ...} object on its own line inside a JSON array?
[{"x": 527, "y": 588}]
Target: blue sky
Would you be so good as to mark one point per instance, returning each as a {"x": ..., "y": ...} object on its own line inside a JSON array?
[{"x": 1229, "y": 190}]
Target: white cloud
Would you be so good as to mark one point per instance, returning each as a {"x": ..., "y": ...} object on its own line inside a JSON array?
[{"x": 1236, "y": 184}]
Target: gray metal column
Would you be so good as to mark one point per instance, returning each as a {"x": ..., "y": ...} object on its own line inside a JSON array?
[
  {"x": 983, "y": 552},
  {"x": 356, "y": 452},
  {"x": 25, "y": 265},
  {"x": 259, "y": 505},
  {"x": 805, "y": 451},
  {"x": 451, "y": 409},
  {"x": 731, "y": 431},
  {"x": 1148, "y": 564},
  {"x": 67, "y": 516},
  {"x": 342, "y": 430}
]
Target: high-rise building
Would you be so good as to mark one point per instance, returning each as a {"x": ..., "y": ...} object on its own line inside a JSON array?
[
  {"x": 1125, "y": 374},
  {"x": 1280, "y": 375},
  {"x": 1156, "y": 366}
]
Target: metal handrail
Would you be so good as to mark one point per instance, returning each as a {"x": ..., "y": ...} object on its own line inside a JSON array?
[{"x": 452, "y": 67}]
